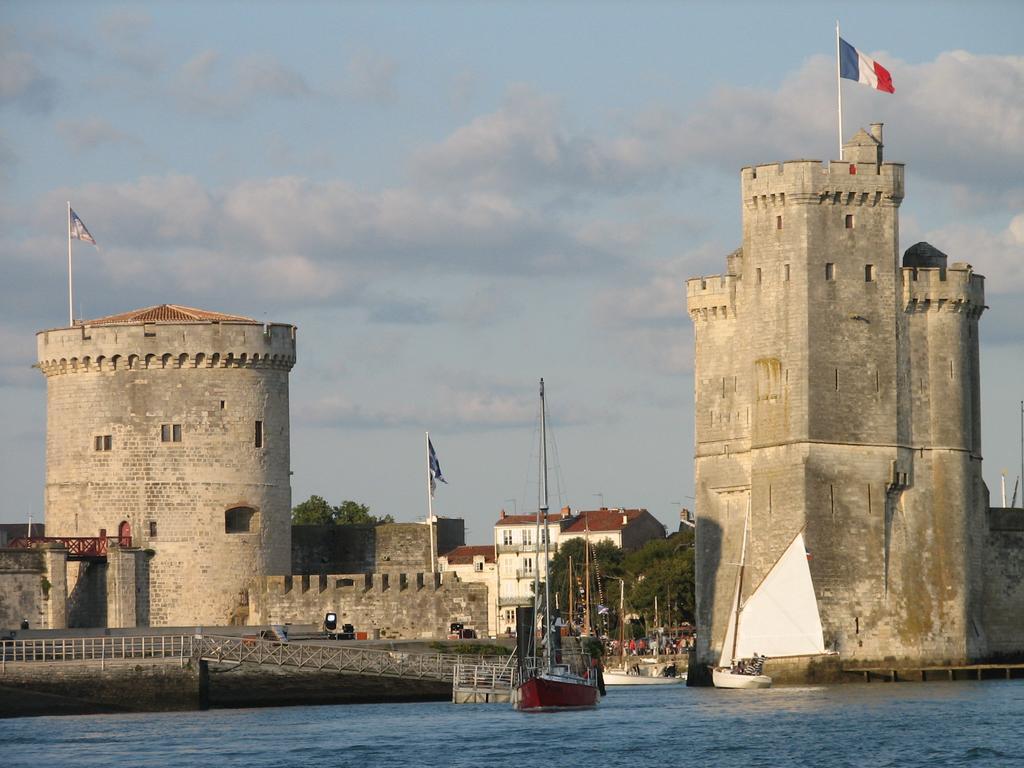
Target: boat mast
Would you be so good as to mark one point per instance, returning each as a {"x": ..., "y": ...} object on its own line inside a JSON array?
[
  {"x": 739, "y": 584},
  {"x": 542, "y": 515},
  {"x": 586, "y": 578},
  {"x": 571, "y": 610},
  {"x": 622, "y": 624}
]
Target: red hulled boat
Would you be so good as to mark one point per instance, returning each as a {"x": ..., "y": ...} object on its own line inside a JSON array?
[{"x": 545, "y": 684}]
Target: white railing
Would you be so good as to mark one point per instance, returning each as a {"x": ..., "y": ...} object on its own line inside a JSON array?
[{"x": 97, "y": 648}]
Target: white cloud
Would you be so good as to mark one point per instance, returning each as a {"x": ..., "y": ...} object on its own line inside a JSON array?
[
  {"x": 206, "y": 85},
  {"x": 22, "y": 82},
  {"x": 370, "y": 77},
  {"x": 90, "y": 133}
]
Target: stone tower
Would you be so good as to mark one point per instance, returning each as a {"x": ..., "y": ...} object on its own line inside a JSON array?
[
  {"x": 837, "y": 392},
  {"x": 170, "y": 425}
]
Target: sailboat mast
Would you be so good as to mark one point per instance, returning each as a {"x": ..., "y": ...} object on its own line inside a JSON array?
[
  {"x": 586, "y": 579},
  {"x": 572, "y": 598},
  {"x": 622, "y": 624},
  {"x": 739, "y": 583},
  {"x": 543, "y": 517}
]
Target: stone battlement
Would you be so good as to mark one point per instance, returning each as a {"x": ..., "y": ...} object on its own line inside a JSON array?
[
  {"x": 711, "y": 298},
  {"x": 86, "y": 348},
  {"x": 351, "y": 582},
  {"x": 956, "y": 289},
  {"x": 811, "y": 182}
]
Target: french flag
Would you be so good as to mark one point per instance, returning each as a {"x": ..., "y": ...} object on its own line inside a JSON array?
[{"x": 854, "y": 65}]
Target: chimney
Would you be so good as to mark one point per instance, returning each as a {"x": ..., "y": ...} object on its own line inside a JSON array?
[
  {"x": 504, "y": 514},
  {"x": 566, "y": 512},
  {"x": 625, "y": 520},
  {"x": 875, "y": 129}
]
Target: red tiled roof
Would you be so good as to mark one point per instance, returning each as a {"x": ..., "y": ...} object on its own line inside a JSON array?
[
  {"x": 464, "y": 555},
  {"x": 167, "y": 313},
  {"x": 553, "y": 517},
  {"x": 602, "y": 520}
]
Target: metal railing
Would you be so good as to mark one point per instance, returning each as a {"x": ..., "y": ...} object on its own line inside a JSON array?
[
  {"x": 244, "y": 650},
  {"x": 97, "y": 648},
  {"x": 485, "y": 675},
  {"x": 335, "y": 658}
]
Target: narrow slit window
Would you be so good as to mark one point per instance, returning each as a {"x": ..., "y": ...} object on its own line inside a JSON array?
[
  {"x": 758, "y": 275},
  {"x": 152, "y": 529},
  {"x": 259, "y": 434},
  {"x": 176, "y": 433},
  {"x": 849, "y": 221},
  {"x": 830, "y": 271},
  {"x": 785, "y": 272},
  {"x": 869, "y": 273},
  {"x": 837, "y": 379},
  {"x": 778, "y": 222}
]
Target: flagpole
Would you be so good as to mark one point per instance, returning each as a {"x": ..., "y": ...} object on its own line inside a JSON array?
[
  {"x": 430, "y": 511},
  {"x": 839, "y": 91},
  {"x": 71, "y": 310}
]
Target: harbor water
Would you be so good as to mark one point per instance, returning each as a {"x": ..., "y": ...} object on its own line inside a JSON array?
[{"x": 879, "y": 724}]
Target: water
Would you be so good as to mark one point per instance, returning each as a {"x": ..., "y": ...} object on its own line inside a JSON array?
[{"x": 880, "y": 724}]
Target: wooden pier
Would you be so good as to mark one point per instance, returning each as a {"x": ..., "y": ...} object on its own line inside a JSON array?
[{"x": 953, "y": 672}]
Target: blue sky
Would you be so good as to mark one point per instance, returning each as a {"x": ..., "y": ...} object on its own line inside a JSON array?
[{"x": 453, "y": 199}]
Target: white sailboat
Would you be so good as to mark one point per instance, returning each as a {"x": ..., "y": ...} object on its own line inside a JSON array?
[{"x": 779, "y": 619}]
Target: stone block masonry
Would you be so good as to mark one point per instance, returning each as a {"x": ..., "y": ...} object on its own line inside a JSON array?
[
  {"x": 837, "y": 394},
  {"x": 171, "y": 426},
  {"x": 398, "y": 605}
]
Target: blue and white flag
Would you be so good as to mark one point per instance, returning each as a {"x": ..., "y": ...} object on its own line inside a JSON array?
[
  {"x": 602, "y": 610},
  {"x": 77, "y": 229},
  {"x": 435, "y": 469}
]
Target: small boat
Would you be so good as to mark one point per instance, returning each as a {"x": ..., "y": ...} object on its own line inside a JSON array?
[
  {"x": 547, "y": 684},
  {"x": 780, "y": 619},
  {"x": 633, "y": 677}
]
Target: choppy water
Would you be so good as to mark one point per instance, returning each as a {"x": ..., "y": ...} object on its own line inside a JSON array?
[{"x": 929, "y": 724}]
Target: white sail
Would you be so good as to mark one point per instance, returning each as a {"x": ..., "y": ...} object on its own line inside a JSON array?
[{"x": 781, "y": 617}]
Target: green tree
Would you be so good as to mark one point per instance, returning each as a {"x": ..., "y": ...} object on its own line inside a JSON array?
[
  {"x": 663, "y": 568},
  {"x": 317, "y": 511},
  {"x": 313, "y": 511}
]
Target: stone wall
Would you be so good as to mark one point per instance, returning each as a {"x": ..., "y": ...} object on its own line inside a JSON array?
[
  {"x": 397, "y": 605},
  {"x": 388, "y": 548},
  {"x": 1003, "y": 615},
  {"x": 208, "y": 383},
  {"x": 24, "y": 589},
  {"x": 77, "y": 687}
]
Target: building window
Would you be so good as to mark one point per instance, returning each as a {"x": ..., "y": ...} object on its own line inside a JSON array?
[
  {"x": 527, "y": 536},
  {"x": 506, "y": 537},
  {"x": 543, "y": 536},
  {"x": 259, "y": 434},
  {"x": 170, "y": 433},
  {"x": 239, "y": 520},
  {"x": 152, "y": 529},
  {"x": 778, "y": 222},
  {"x": 222, "y": 405},
  {"x": 849, "y": 221},
  {"x": 869, "y": 273},
  {"x": 830, "y": 271},
  {"x": 478, "y": 566},
  {"x": 758, "y": 275},
  {"x": 527, "y": 565},
  {"x": 103, "y": 442},
  {"x": 785, "y": 272}
]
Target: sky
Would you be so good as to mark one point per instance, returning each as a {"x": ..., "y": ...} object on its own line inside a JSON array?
[{"x": 452, "y": 200}]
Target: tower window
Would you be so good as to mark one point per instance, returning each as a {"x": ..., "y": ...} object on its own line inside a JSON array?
[
  {"x": 259, "y": 434},
  {"x": 778, "y": 222},
  {"x": 830, "y": 271},
  {"x": 239, "y": 520},
  {"x": 103, "y": 442},
  {"x": 785, "y": 272},
  {"x": 758, "y": 275},
  {"x": 849, "y": 221},
  {"x": 869, "y": 273},
  {"x": 152, "y": 529},
  {"x": 170, "y": 433}
]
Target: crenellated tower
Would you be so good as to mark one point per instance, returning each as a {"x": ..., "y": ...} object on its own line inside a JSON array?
[
  {"x": 169, "y": 426},
  {"x": 816, "y": 404}
]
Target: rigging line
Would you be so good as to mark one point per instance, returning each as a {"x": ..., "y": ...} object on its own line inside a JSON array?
[{"x": 561, "y": 493}]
